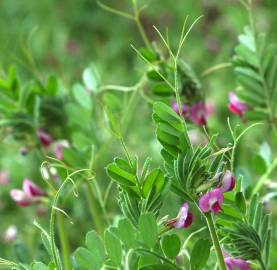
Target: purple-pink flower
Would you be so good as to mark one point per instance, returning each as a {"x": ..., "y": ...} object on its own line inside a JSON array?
[
  {"x": 184, "y": 218},
  {"x": 211, "y": 201},
  {"x": 236, "y": 264},
  {"x": 228, "y": 182},
  {"x": 44, "y": 138},
  {"x": 196, "y": 113},
  {"x": 185, "y": 109},
  {"x": 29, "y": 194},
  {"x": 236, "y": 106}
]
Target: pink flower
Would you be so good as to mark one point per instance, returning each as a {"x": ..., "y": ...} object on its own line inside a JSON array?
[
  {"x": 31, "y": 189},
  {"x": 198, "y": 114},
  {"x": 211, "y": 201},
  {"x": 228, "y": 182},
  {"x": 184, "y": 218},
  {"x": 236, "y": 106},
  {"x": 20, "y": 197},
  {"x": 185, "y": 109},
  {"x": 44, "y": 138},
  {"x": 236, "y": 264},
  {"x": 4, "y": 178},
  {"x": 59, "y": 149},
  {"x": 29, "y": 194}
]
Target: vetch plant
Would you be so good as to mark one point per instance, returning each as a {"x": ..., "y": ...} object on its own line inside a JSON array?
[{"x": 179, "y": 204}]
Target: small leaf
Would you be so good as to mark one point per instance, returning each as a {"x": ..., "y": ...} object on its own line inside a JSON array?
[
  {"x": 240, "y": 202},
  {"x": 171, "y": 245},
  {"x": 148, "y": 229},
  {"x": 82, "y": 96},
  {"x": 127, "y": 233},
  {"x": 149, "y": 54},
  {"x": 96, "y": 247},
  {"x": 84, "y": 258},
  {"x": 162, "y": 89},
  {"x": 154, "y": 76},
  {"x": 121, "y": 176},
  {"x": 91, "y": 78},
  {"x": 154, "y": 179},
  {"x": 39, "y": 266},
  {"x": 113, "y": 247},
  {"x": 52, "y": 85},
  {"x": 200, "y": 254}
]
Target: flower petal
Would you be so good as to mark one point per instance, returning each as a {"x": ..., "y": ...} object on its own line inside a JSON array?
[
  {"x": 31, "y": 189},
  {"x": 228, "y": 182}
]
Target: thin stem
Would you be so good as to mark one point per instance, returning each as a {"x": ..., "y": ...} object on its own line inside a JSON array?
[
  {"x": 115, "y": 11},
  {"x": 126, "y": 151},
  {"x": 65, "y": 247},
  {"x": 154, "y": 67},
  {"x": 142, "y": 32},
  {"x": 215, "y": 68},
  {"x": 190, "y": 236},
  {"x": 264, "y": 177},
  {"x": 214, "y": 236},
  {"x": 116, "y": 88},
  {"x": 158, "y": 256}
]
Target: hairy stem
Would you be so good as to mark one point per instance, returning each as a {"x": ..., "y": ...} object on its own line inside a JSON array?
[{"x": 214, "y": 236}]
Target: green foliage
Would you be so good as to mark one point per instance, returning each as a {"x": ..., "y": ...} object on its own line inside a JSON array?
[
  {"x": 200, "y": 254},
  {"x": 255, "y": 66},
  {"x": 93, "y": 256},
  {"x": 139, "y": 192},
  {"x": 148, "y": 229},
  {"x": 250, "y": 237},
  {"x": 171, "y": 245},
  {"x": 191, "y": 170}
]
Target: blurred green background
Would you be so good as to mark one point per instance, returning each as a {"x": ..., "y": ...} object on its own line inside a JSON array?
[{"x": 63, "y": 37}]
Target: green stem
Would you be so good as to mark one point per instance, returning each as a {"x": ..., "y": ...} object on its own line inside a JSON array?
[
  {"x": 214, "y": 236},
  {"x": 142, "y": 32},
  {"x": 142, "y": 250},
  {"x": 65, "y": 247},
  {"x": 97, "y": 219},
  {"x": 265, "y": 176}
]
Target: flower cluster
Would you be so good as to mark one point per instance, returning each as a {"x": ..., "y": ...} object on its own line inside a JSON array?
[
  {"x": 29, "y": 194},
  {"x": 196, "y": 113}
]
